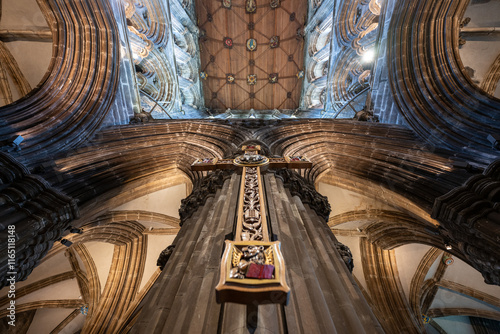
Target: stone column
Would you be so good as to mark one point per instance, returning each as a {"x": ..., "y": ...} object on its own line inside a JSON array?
[
  {"x": 324, "y": 297},
  {"x": 183, "y": 298}
]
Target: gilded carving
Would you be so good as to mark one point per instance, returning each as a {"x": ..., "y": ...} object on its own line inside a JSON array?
[
  {"x": 252, "y": 267},
  {"x": 273, "y": 78},
  {"x": 252, "y": 79},
  {"x": 230, "y": 78},
  {"x": 252, "y": 220},
  {"x": 250, "y": 6},
  {"x": 252, "y": 256},
  {"x": 251, "y": 44},
  {"x": 274, "y": 4},
  {"x": 274, "y": 42}
]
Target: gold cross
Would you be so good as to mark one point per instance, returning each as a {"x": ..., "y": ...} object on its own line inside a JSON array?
[{"x": 252, "y": 267}]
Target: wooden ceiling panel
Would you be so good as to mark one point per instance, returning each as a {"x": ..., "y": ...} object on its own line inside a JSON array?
[{"x": 219, "y": 59}]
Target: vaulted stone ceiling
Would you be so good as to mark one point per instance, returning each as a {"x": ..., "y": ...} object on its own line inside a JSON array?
[
  {"x": 165, "y": 152},
  {"x": 241, "y": 38}
]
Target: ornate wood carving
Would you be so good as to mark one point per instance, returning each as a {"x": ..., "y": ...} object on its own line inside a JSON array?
[
  {"x": 251, "y": 24},
  {"x": 236, "y": 283},
  {"x": 252, "y": 268},
  {"x": 250, "y": 6},
  {"x": 252, "y": 224}
]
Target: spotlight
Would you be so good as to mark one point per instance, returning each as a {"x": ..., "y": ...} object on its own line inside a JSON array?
[
  {"x": 76, "y": 230},
  {"x": 448, "y": 247},
  {"x": 18, "y": 140},
  {"x": 66, "y": 242},
  {"x": 12, "y": 144},
  {"x": 494, "y": 139},
  {"x": 368, "y": 56},
  {"x": 461, "y": 164}
]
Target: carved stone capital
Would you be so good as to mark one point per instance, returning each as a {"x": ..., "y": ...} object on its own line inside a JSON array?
[
  {"x": 34, "y": 216},
  {"x": 470, "y": 218},
  {"x": 298, "y": 186},
  {"x": 204, "y": 189}
]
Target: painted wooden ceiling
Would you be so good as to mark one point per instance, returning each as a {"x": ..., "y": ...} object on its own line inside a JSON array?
[{"x": 236, "y": 41}]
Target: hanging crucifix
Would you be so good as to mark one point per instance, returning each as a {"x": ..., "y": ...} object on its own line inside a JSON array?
[{"x": 252, "y": 267}]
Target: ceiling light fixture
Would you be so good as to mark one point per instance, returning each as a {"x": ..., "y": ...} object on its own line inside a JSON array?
[{"x": 368, "y": 56}]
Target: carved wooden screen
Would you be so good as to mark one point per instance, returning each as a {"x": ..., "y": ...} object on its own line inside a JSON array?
[{"x": 251, "y": 53}]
